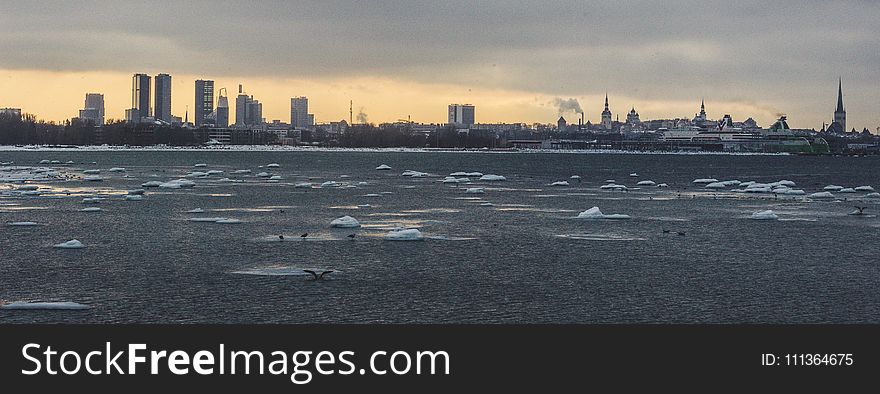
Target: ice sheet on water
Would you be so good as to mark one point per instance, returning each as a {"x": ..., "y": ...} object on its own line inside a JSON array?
[
  {"x": 28, "y": 305},
  {"x": 22, "y": 224},
  {"x": 401, "y": 234},
  {"x": 492, "y": 178},
  {"x": 764, "y": 215},
  {"x": 383, "y": 167},
  {"x": 345, "y": 222},
  {"x": 595, "y": 214},
  {"x": 560, "y": 183},
  {"x": 72, "y": 244},
  {"x": 599, "y": 237}
]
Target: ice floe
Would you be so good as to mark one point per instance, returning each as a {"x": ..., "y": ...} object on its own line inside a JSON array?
[
  {"x": 414, "y": 174},
  {"x": 273, "y": 165},
  {"x": 400, "y": 234},
  {"x": 595, "y": 213},
  {"x": 200, "y": 165},
  {"x": 872, "y": 195},
  {"x": 196, "y": 210},
  {"x": 492, "y": 177},
  {"x": 151, "y": 184},
  {"x": 833, "y": 188},
  {"x": 383, "y": 167},
  {"x": 27, "y": 305},
  {"x": 303, "y": 185},
  {"x": 330, "y": 184},
  {"x": 345, "y": 222},
  {"x": 72, "y": 244},
  {"x": 215, "y": 220},
  {"x": 228, "y": 221},
  {"x": 475, "y": 190},
  {"x": 560, "y": 183},
  {"x": 263, "y": 175},
  {"x": 847, "y": 190},
  {"x": 646, "y": 183},
  {"x": 92, "y": 200},
  {"x": 196, "y": 174},
  {"x": 864, "y": 189},
  {"x": 22, "y": 224},
  {"x": 239, "y": 172},
  {"x": 613, "y": 186},
  {"x": 764, "y": 215},
  {"x": 795, "y": 192},
  {"x": 705, "y": 180},
  {"x": 822, "y": 195},
  {"x": 452, "y": 179},
  {"x": 117, "y": 169},
  {"x": 177, "y": 184},
  {"x": 716, "y": 185},
  {"x": 634, "y": 175},
  {"x": 91, "y": 209},
  {"x": 91, "y": 172},
  {"x": 134, "y": 197},
  {"x": 136, "y": 191}
]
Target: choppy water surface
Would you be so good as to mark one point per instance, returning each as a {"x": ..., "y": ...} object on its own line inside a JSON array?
[{"x": 514, "y": 253}]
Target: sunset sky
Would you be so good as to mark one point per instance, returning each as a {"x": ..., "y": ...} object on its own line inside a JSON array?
[{"x": 411, "y": 58}]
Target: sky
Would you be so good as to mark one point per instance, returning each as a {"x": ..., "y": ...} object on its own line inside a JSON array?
[{"x": 513, "y": 59}]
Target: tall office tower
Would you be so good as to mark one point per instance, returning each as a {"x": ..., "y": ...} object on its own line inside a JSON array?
[
  {"x": 299, "y": 112},
  {"x": 248, "y": 112},
  {"x": 162, "y": 98},
  {"x": 204, "y": 100},
  {"x": 254, "y": 115},
  {"x": 240, "y": 107},
  {"x": 461, "y": 114},
  {"x": 222, "y": 118},
  {"x": 94, "y": 108},
  {"x": 140, "y": 97}
]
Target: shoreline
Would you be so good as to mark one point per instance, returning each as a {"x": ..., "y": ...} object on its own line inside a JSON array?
[{"x": 287, "y": 148}]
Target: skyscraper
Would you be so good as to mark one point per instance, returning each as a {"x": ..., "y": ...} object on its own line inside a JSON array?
[
  {"x": 222, "y": 118},
  {"x": 204, "y": 100},
  {"x": 840, "y": 113},
  {"x": 162, "y": 98},
  {"x": 93, "y": 109},
  {"x": 607, "y": 122},
  {"x": 299, "y": 112},
  {"x": 248, "y": 112},
  {"x": 462, "y": 114},
  {"x": 140, "y": 97}
]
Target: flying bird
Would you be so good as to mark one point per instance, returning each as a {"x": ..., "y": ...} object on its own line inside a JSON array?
[
  {"x": 316, "y": 276},
  {"x": 859, "y": 210},
  {"x": 304, "y": 235},
  {"x": 351, "y": 236}
]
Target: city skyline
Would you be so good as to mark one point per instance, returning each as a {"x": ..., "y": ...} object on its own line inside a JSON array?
[{"x": 509, "y": 60}]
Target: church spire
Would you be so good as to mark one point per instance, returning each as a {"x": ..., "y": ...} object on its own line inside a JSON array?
[{"x": 840, "y": 95}]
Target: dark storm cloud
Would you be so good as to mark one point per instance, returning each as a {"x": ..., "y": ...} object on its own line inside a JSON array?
[{"x": 649, "y": 49}]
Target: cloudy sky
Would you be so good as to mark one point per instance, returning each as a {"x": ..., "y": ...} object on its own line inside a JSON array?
[{"x": 410, "y": 58}]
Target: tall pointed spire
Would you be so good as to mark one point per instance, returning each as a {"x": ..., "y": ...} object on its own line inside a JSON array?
[
  {"x": 840, "y": 95},
  {"x": 606, "y": 100},
  {"x": 702, "y": 104}
]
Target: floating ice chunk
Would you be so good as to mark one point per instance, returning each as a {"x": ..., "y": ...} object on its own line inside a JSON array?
[
  {"x": 864, "y": 189},
  {"x": 26, "y": 305},
  {"x": 27, "y": 187},
  {"x": 214, "y": 172},
  {"x": 151, "y": 184},
  {"x": 196, "y": 174},
  {"x": 196, "y": 210},
  {"x": 72, "y": 244},
  {"x": 365, "y": 206},
  {"x": 329, "y": 184},
  {"x": 705, "y": 180},
  {"x": 345, "y": 222},
  {"x": 93, "y": 178},
  {"x": 263, "y": 175},
  {"x": 134, "y": 197},
  {"x": 492, "y": 177},
  {"x": 137, "y": 191},
  {"x": 275, "y": 178},
  {"x": 473, "y": 174},
  {"x": 212, "y": 220},
  {"x": 117, "y": 169},
  {"x": 22, "y": 224},
  {"x": 54, "y": 162},
  {"x": 383, "y": 167},
  {"x": 822, "y": 195},
  {"x": 560, "y": 183},
  {"x": 92, "y": 200},
  {"x": 400, "y": 234},
  {"x": 613, "y": 186},
  {"x": 872, "y": 195},
  {"x": 833, "y": 188},
  {"x": 228, "y": 221},
  {"x": 237, "y": 172},
  {"x": 91, "y": 172},
  {"x": 784, "y": 183},
  {"x": 414, "y": 174},
  {"x": 91, "y": 209},
  {"x": 847, "y": 190},
  {"x": 662, "y": 185},
  {"x": 634, "y": 175},
  {"x": 455, "y": 174},
  {"x": 273, "y": 165},
  {"x": 795, "y": 192},
  {"x": 610, "y": 181},
  {"x": 475, "y": 190},
  {"x": 487, "y": 204},
  {"x": 31, "y": 193},
  {"x": 646, "y": 183},
  {"x": 69, "y": 162},
  {"x": 372, "y": 195},
  {"x": 780, "y": 190},
  {"x": 764, "y": 215},
  {"x": 575, "y": 177},
  {"x": 44, "y": 161},
  {"x": 200, "y": 165},
  {"x": 177, "y": 184},
  {"x": 716, "y": 185},
  {"x": 303, "y": 185},
  {"x": 595, "y": 213}
]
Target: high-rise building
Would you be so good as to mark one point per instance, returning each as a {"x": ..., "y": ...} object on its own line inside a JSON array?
[
  {"x": 93, "y": 108},
  {"x": 222, "y": 112},
  {"x": 840, "y": 113},
  {"x": 248, "y": 112},
  {"x": 462, "y": 115},
  {"x": 162, "y": 98},
  {"x": 299, "y": 113},
  {"x": 607, "y": 121},
  {"x": 140, "y": 97},
  {"x": 204, "y": 100}
]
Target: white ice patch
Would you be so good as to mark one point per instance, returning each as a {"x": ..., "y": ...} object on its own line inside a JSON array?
[
  {"x": 134, "y": 197},
  {"x": 492, "y": 178},
  {"x": 151, "y": 184},
  {"x": 475, "y": 190},
  {"x": 833, "y": 188},
  {"x": 345, "y": 222},
  {"x": 864, "y": 189},
  {"x": 117, "y": 169},
  {"x": 27, "y": 305},
  {"x": 400, "y": 234},
  {"x": 383, "y": 167},
  {"x": 613, "y": 186},
  {"x": 595, "y": 214},
  {"x": 414, "y": 174},
  {"x": 560, "y": 183},
  {"x": 22, "y": 224},
  {"x": 705, "y": 180},
  {"x": 91, "y": 209},
  {"x": 196, "y": 210},
  {"x": 646, "y": 183},
  {"x": 822, "y": 195},
  {"x": 764, "y": 215},
  {"x": 72, "y": 244},
  {"x": 273, "y": 165},
  {"x": 847, "y": 190}
]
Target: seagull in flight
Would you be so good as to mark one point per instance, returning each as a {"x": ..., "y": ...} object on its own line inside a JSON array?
[
  {"x": 859, "y": 211},
  {"x": 304, "y": 235},
  {"x": 316, "y": 276}
]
